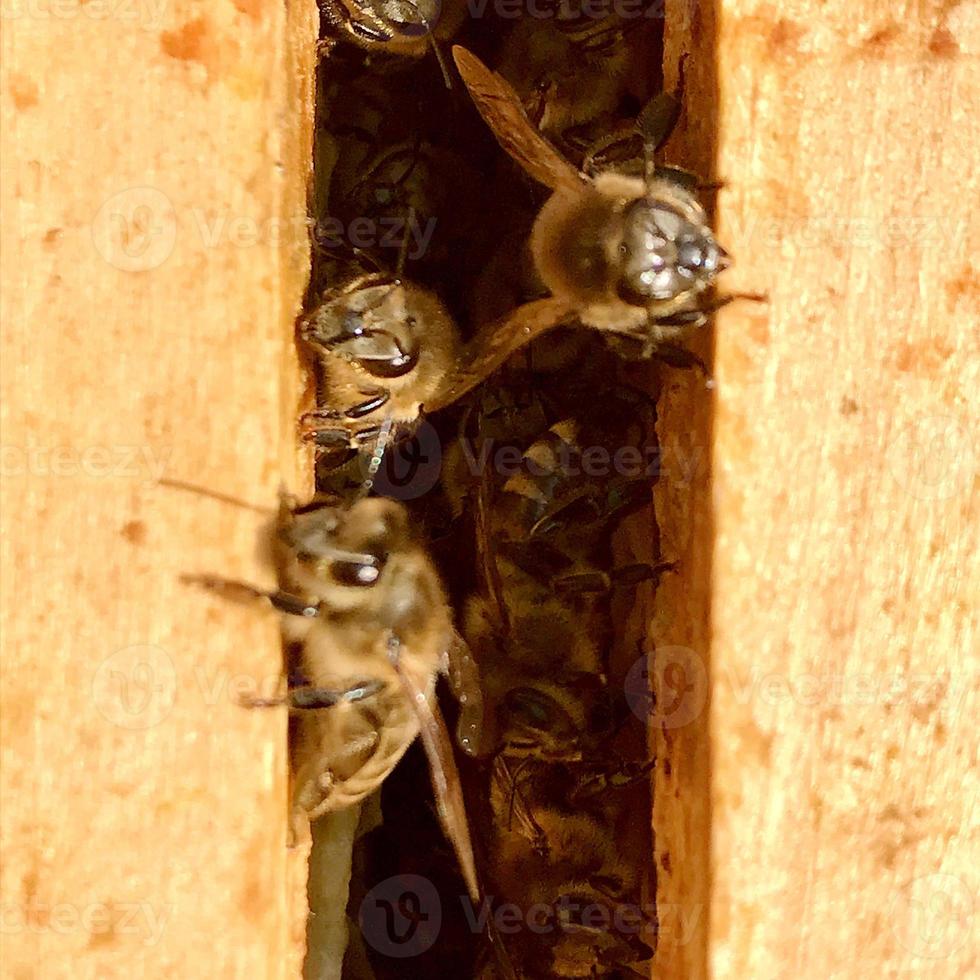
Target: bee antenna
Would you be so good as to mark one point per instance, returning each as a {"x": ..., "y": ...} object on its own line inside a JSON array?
[
  {"x": 365, "y": 255},
  {"x": 438, "y": 54},
  {"x": 403, "y": 248},
  {"x": 657, "y": 120},
  {"x": 225, "y": 498}
]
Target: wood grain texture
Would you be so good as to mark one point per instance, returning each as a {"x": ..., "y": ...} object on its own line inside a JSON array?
[
  {"x": 154, "y": 255},
  {"x": 842, "y": 651}
]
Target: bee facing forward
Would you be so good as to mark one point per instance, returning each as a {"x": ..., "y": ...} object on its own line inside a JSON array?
[
  {"x": 384, "y": 347},
  {"x": 632, "y": 257},
  {"x": 406, "y": 29}
]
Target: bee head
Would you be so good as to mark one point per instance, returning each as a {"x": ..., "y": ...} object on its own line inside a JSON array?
[
  {"x": 344, "y": 550},
  {"x": 372, "y": 324},
  {"x": 667, "y": 251},
  {"x": 529, "y": 714},
  {"x": 381, "y": 21},
  {"x": 548, "y": 718}
]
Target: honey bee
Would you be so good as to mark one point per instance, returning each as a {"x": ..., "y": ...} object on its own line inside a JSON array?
[
  {"x": 567, "y": 861},
  {"x": 540, "y": 622},
  {"x": 363, "y": 603},
  {"x": 571, "y": 71},
  {"x": 405, "y": 28},
  {"x": 631, "y": 257}
]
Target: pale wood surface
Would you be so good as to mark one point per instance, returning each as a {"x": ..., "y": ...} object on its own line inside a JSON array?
[
  {"x": 844, "y": 579},
  {"x": 150, "y": 153},
  {"x": 817, "y": 835}
]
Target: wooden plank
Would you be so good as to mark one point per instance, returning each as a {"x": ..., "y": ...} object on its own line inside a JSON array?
[
  {"x": 154, "y": 160},
  {"x": 843, "y": 648}
]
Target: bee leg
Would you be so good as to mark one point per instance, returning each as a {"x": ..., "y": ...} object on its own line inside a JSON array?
[
  {"x": 376, "y": 398},
  {"x": 698, "y": 317},
  {"x": 328, "y": 438},
  {"x": 630, "y": 576},
  {"x": 313, "y": 698},
  {"x": 313, "y": 430},
  {"x": 310, "y": 698},
  {"x": 318, "y": 414},
  {"x": 324, "y": 46},
  {"x": 242, "y": 592},
  {"x": 369, "y": 434},
  {"x": 601, "y": 583},
  {"x": 583, "y": 583},
  {"x": 680, "y": 357}
]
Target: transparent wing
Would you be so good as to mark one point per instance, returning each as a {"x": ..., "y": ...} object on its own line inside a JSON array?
[
  {"x": 445, "y": 779},
  {"x": 503, "y": 112},
  {"x": 464, "y": 681},
  {"x": 496, "y": 341}
]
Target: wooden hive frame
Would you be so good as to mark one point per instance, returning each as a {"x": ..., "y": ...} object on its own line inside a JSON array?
[{"x": 151, "y": 272}]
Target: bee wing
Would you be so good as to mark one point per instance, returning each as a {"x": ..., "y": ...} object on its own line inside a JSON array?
[
  {"x": 495, "y": 342},
  {"x": 503, "y": 112},
  {"x": 445, "y": 779},
  {"x": 464, "y": 681}
]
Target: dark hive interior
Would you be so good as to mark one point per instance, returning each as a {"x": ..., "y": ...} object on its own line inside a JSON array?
[{"x": 533, "y": 493}]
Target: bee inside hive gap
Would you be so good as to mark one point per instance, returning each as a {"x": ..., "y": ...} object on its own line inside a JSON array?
[{"x": 463, "y": 366}]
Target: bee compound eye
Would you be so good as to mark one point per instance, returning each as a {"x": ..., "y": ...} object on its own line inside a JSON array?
[
  {"x": 691, "y": 255},
  {"x": 357, "y": 574},
  {"x": 531, "y": 706}
]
